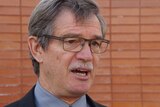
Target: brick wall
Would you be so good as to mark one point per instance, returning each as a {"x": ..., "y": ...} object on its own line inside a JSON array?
[{"x": 129, "y": 73}]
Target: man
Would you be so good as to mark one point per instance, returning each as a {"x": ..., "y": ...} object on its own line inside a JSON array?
[{"x": 66, "y": 38}]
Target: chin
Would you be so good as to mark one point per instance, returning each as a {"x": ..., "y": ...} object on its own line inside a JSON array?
[
  {"x": 80, "y": 90},
  {"x": 78, "y": 93}
]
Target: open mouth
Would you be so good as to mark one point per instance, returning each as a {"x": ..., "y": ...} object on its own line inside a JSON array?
[{"x": 81, "y": 72}]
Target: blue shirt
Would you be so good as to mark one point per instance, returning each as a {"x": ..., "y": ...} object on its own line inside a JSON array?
[{"x": 43, "y": 98}]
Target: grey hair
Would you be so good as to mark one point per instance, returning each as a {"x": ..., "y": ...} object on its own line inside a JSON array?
[{"x": 44, "y": 15}]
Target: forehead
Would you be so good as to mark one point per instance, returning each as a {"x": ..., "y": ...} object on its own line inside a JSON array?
[{"x": 66, "y": 20}]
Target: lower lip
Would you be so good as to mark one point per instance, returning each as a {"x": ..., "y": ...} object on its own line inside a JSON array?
[{"x": 79, "y": 77}]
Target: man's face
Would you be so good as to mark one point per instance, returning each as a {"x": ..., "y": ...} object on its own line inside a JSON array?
[{"x": 66, "y": 73}]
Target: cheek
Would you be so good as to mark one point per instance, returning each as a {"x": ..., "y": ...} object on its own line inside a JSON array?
[{"x": 64, "y": 59}]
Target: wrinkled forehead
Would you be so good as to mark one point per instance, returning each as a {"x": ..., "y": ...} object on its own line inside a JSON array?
[
  {"x": 67, "y": 17},
  {"x": 66, "y": 21}
]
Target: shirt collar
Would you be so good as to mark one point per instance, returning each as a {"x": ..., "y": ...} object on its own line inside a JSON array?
[{"x": 43, "y": 98}]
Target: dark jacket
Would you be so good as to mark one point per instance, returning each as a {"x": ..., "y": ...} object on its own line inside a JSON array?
[{"x": 29, "y": 101}]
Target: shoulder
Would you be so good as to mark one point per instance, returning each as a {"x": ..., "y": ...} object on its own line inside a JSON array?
[
  {"x": 26, "y": 101},
  {"x": 93, "y": 103},
  {"x": 14, "y": 104}
]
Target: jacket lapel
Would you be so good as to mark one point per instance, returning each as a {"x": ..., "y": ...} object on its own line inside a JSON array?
[
  {"x": 28, "y": 100},
  {"x": 92, "y": 103}
]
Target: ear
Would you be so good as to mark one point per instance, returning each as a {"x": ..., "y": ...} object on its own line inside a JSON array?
[{"x": 35, "y": 49}]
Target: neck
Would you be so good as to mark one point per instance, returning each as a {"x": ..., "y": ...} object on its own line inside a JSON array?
[{"x": 70, "y": 99}]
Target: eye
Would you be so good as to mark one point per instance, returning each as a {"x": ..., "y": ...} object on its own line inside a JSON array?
[
  {"x": 72, "y": 43},
  {"x": 71, "y": 40},
  {"x": 96, "y": 43}
]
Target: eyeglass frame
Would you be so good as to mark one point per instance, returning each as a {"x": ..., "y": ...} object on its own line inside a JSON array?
[{"x": 62, "y": 38}]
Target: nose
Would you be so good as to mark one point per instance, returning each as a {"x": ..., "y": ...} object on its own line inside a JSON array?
[{"x": 85, "y": 54}]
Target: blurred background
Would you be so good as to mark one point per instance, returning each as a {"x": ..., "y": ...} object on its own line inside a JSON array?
[{"x": 129, "y": 72}]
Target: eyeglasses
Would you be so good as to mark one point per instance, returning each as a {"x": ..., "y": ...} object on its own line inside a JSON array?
[{"x": 75, "y": 44}]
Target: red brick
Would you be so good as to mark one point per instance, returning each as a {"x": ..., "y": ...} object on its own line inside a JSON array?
[
  {"x": 125, "y": 3},
  {"x": 150, "y": 70},
  {"x": 150, "y": 54},
  {"x": 9, "y": 2},
  {"x": 126, "y": 97},
  {"x": 121, "y": 37},
  {"x": 10, "y": 89},
  {"x": 25, "y": 37},
  {"x": 102, "y": 80},
  {"x": 126, "y": 79},
  {"x": 9, "y": 20},
  {"x": 125, "y": 12},
  {"x": 151, "y": 88},
  {"x": 100, "y": 88},
  {"x": 150, "y": 20},
  {"x": 104, "y": 63},
  {"x": 103, "y": 3},
  {"x": 127, "y": 104},
  {"x": 105, "y": 55},
  {"x": 150, "y": 11},
  {"x": 28, "y": 72},
  {"x": 10, "y": 28},
  {"x": 125, "y": 54},
  {"x": 10, "y": 37},
  {"x": 150, "y": 3},
  {"x": 25, "y": 29},
  {"x": 150, "y": 62},
  {"x": 2, "y": 104},
  {"x": 25, "y": 54},
  {"x": 27, "y": 63},
  {"x": 10, "y": 55},
  {"x": 103, "y": 71},
  {"x": 125, "y": 46},
  {"x": 151, "y": 79},
  {"x": 151, "y": 104},
  {"x": 8, "y": 72},
  {"x": 29, "y": 80},
  {"x": 25, "y": 20},
  {"x": 125, "y": 20},
  {"x": 25, "y": 46},
  {"x": 26, "y": 88},
  {"x": 105, "y": 12},
  {"x": 108, "y": 29},
  {"x": 101, "y": 96},
  {"x": 29, "y": 3},
  {"x": 10, "y": 80},
  {"x": 150, "y": 28},
  {"x": 151, "y": 97},
  {"x": 150, "y": 37},
  {"x": 9, "y": 10},
  {"x": 27, "y": 11},
  {"x": 150, "y": 46},
  {"x": 125, "y": 29},
  {"x": 108, "y": 22},
  {"x": 126, "y": 71},
  {"x": 126, "y": 88},
  {"x": 10, "y": 64},
  {"x": 106, "y": 103},
  {"x": 9, "y": 98},
  {"x": 9, "y": 46},
  {"x": 125, "y": 63}
]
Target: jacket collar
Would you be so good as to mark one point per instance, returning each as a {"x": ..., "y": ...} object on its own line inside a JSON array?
[{"x": 29, "y": 100}]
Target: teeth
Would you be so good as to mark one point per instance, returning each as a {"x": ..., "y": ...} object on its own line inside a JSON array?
[{"x": 81, "y": 74}]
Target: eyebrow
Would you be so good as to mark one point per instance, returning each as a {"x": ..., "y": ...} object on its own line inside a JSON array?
[
  {"x": 79, "y": 35},
  {"x": 99, "y": 37},
  {"x": 71, "y": 35}
]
